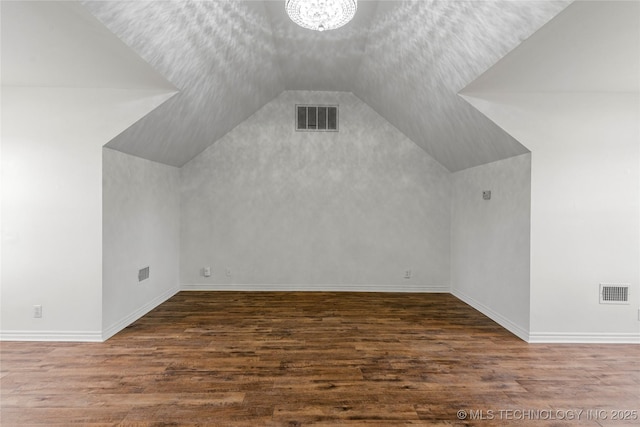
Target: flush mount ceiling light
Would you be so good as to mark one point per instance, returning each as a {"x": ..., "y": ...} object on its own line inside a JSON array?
[{"x": 321, "y": 15}]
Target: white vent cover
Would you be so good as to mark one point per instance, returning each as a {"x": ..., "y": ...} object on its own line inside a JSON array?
[
  {"x": 614, "y": 293},
  {"x": 317, "y": 118},
  {"x": 143, "y": 274}
]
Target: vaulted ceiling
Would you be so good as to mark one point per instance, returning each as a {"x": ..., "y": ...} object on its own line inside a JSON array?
[{"x": 407, "y": 59}]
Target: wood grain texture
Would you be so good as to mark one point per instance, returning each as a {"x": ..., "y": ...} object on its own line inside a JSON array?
[{"x": 314, "y": 358}]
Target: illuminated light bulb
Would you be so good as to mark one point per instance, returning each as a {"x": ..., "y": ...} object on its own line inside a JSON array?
[{"x": 321, "y": 15}]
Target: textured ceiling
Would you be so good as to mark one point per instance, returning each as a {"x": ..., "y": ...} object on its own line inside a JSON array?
[
  {"x": 421, "y": 54},
  {"x": 407, "y": 59},
  {"x": 219, "y": 54},
  {"x": 320, "y": 61}
]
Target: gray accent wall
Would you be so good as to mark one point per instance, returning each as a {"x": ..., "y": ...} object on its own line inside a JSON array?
[
  {"x": 141, "y": 223},
  {"x": 268, "y": 207},
  {"x": 490, "y": 240}
]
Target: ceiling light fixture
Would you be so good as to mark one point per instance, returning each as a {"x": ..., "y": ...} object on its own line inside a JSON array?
[{"x": 321, "y": 15}]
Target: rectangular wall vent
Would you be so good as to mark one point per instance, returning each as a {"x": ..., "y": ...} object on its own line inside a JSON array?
[
  {"x": 143, "y": 274},
  {"x": 317, "y": 118},
  {"x": 614, "y": 293}
]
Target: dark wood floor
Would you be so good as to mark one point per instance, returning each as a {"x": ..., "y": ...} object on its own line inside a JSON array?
[{"x": 321, "y": 359}]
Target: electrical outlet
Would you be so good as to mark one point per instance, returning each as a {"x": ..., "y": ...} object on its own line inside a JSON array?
[
  {"x": 37, "y": 311},
  {"x": 639, "y": 314},
  {"x": 407, "y": 274},
  {"x": 228, "y": 272},
  {"x": 206, "y": 271}
]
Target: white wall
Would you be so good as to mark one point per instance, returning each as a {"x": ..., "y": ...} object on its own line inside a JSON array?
[
  {"x": 61, "y": 44},
  {"x": 585, "y": 216},
  {"x": 141, "y": 227},
  {"x": 571, "y": 94},
  {"x": 51, "y": 240},
  {"x": 585, "y": 209},
  {"x": 52, "y": 205},
  {"x": 68, "y": 87},
  {"x": 283, "y": 209},
  {"x": 490, "y": 240}
]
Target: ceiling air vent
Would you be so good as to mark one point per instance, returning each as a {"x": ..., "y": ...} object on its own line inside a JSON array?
[
  {"x": 611, "y": 293},
  {"x": 317, "y": 118}
]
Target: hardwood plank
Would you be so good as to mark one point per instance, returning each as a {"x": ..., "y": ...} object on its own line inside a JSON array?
[{"x": 312, "y": 359}]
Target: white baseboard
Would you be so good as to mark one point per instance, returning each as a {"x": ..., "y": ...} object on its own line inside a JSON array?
[
  {"x": 79, "y": 336},
  {"x": 61, "y": 336},
  {"x": 315, "y": 288},
  {"x": 584, "y": 338},
  {"x": 512, "y": 327},
  {"x": 132, "y": 317}
]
